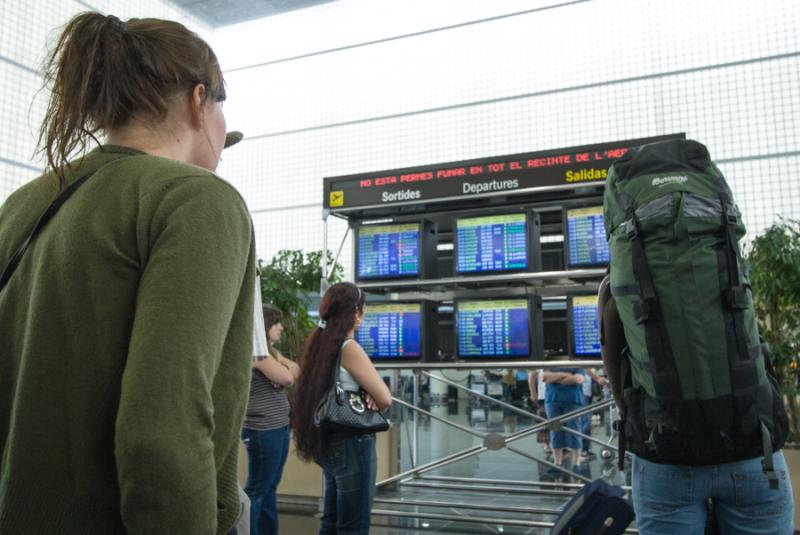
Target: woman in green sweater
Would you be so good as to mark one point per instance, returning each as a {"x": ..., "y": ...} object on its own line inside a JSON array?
[{"x": 127, "y": 325}]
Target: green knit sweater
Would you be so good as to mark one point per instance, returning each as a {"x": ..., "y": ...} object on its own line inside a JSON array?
[{"x": 125, "y": 345}]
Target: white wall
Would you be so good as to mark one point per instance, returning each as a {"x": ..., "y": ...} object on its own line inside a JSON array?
[
  {"x": 26, "y": 31},
  {"x": 726, "y": 72},
  {"x": 364, "y": 85}
]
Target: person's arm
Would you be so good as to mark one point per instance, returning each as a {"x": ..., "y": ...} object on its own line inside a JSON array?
[
  {"x": 612, "y": 340},
  {"x": 572, "y": 379},
  {"x": 357, "y": 363},
  {"x": 291, "y": 365},
  {"x": 599, "y": 379},
  {"x": 197, "y": 259},
  {"x": 549, "y": 377},
  {"x": 262, "y": 361},
  {"x": 532, "y": 383},
  {"x": 274, "y": 370}
]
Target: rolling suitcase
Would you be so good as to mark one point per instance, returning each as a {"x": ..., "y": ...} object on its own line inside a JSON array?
[{"x": 597, "y": 509}]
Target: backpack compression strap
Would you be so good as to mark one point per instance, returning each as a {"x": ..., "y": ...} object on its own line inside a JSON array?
[
  {"x": 768, "y": 463},
  {"x": 647, "y": 311},
  {"x": 741, "y": 357}
]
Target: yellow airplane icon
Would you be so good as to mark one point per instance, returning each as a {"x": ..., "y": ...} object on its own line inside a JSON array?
[{"x": 336, "y": 198}]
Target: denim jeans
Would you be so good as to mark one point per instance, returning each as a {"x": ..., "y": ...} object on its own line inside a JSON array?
[
  {"x": 671, "y": 499},
  {"x": 560, "y": 439},
  {"x": 349, "y": 466},
  {"x": 266, "y": 453}
]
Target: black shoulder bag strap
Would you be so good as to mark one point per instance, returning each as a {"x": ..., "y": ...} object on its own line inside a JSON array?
[{"x": 41, "y": 222}]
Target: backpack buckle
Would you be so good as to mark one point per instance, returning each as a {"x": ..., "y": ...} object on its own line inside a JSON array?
[
  {"x": 630, "y": 229},
  {"x": 735, "y": 297},
  {"x": 731, "y": 214}
]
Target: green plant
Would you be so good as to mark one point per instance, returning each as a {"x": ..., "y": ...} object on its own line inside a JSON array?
[
  {"x": 287, "y": 282},
  {"x": 774, "y": 261}
]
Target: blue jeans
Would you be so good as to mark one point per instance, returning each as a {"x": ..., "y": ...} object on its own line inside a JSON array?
[
  {"x": 266, "y": 452},
  {"x": 349, "y": 465},
  {"x": 671, "y": 499},
  {"x": 560, "y": 439}
]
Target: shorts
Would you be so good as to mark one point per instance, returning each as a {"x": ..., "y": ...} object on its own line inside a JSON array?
[{"x": 560, "y": 439}]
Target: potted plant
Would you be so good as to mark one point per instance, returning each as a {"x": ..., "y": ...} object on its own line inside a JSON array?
[
  {"x": 774, "y": 261},
  {"x": 290, "y": 282}
]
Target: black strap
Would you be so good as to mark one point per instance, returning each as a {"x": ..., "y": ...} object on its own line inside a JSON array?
[
  {"x": 768, "y": 463},
  {"x": 647, "y": 311},
  {"x": 338, "y": 364},
  {"x": 734, "y": 294},
  {"x": 41, "y": 222}
]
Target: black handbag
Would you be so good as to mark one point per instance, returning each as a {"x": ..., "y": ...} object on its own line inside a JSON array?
[{"x": 346, "y": 411}]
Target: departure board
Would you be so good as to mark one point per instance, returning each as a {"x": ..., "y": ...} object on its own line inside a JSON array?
[
  {"x": 586, "y": 237},
  {"x": 387, "y": 251},
  {"x": 491, "y": 243},
  {"x": 391, "y": 331},
  {"x": 497, "y": 328},
  {"x": 585, "y": 325}
]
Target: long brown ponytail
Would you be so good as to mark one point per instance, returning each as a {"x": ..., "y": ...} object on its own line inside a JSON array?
[
  {"x": 338, "y": 311},
  {"x": 104, "y": 72}
]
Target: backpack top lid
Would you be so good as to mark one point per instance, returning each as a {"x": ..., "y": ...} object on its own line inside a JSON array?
[
  {"x": 663, "y": 157},
  {"x": 653, "y": 170}
]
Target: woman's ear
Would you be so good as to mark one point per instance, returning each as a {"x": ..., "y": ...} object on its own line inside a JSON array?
[{"x": 196, "y": 102}]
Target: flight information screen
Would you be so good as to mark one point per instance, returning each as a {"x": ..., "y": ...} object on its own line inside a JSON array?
[
  {"x": 586, "y": 237},
  {"x": 386, "y": 251},
  {"x": 497, "y": 328},
  {"x": 491, "y": 243},
  {"x": 585, "y": 325},
  {"x": 391, "y": 330}
]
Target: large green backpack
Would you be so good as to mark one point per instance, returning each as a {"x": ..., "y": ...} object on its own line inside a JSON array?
[{"x": 701, "y": 391}]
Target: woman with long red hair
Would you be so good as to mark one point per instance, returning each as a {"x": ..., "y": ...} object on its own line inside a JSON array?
[{"x": 348, "y": 460}]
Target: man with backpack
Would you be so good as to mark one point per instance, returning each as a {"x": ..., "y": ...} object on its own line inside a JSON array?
[{"x": 700, "y": 407}]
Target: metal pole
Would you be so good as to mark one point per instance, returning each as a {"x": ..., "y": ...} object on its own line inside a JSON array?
[
  {"x": 511, "y": 364},
  {"x": 483, "y": 396},
  {"x": 468, "y": 519},
  {"x": 415, "y": 429},
  {"x": 472, "y": 519},
  {"x": 439, "y": 418},
  {"x": 454, "y": 457},
  {"x": 487, "y": 488},
  {"x": 548, "y": 463},
  {"x": 545, "y": 484},
  {"x": 474, "y": 506},
  {"x": 323, "y": 283},
  {"x": 595, "y": 406},
  {"x": 469, "y": 452}
]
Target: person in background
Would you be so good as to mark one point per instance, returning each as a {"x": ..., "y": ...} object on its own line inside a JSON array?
[
  {"x": 586, "y": 421},
  {"x": 266, "y": 427},
  {"x": 563, "y": 394},
  {"x": 127, "y": 326},
  {"x": 348, "y": 460},
  {"x": 536, "y": 386}
]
